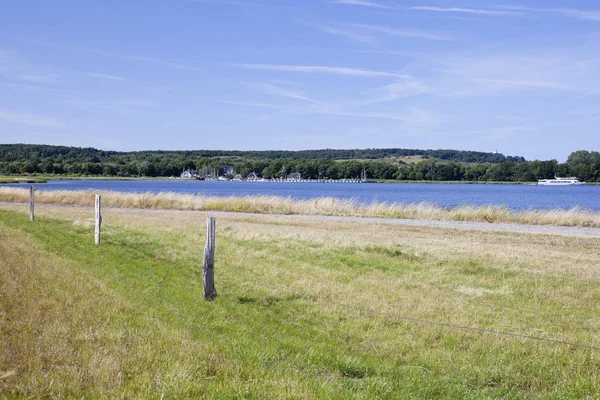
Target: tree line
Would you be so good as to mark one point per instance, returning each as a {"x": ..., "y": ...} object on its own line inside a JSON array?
[
  {"x": 15, "y": 152},
  {"x": 436, "y": 165}
]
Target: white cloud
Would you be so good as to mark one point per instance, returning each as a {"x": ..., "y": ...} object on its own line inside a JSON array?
[
  {"x": 351, "y": 36},
  {"x": 410, "y": 33},
  {"x": 106, "y": 76},
  {"x": 116, "y": 105},
  {"x": 408, "y": 86},
  {"x": 588, "y": 15},
  {"x": 43, "y": 89},
  {"x": 478, "y": 11},
  {"x": 175, "y": 64},
  {"x": 24, "y": 118},
  {"x": 251, "y": 104},
  {"x": 39, "y": 78},
  {"x": 487, "y": 74},
  {"x": 412, "y": 115},
  {"x": 365, "y": 3},
  {"x": 314, "y": 69},
  {"x": 274, "y": 90},
  {"x": 226, "y": 2}
]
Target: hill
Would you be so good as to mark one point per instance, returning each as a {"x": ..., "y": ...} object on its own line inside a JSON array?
[
  {"x": 15, "y": 152},
  {"x": 382, "y": 164}
]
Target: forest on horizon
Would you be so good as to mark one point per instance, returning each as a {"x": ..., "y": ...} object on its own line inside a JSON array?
[{"x": 388, "y": 164}]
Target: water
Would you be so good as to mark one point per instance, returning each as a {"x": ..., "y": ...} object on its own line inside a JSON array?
[{"x": 517, "y": 197}]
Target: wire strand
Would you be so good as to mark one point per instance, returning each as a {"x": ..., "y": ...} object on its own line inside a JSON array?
[{"x": 412, "y": 319}]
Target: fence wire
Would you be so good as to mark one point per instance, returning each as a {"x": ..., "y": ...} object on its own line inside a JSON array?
[{"x": 409, "y": 318}]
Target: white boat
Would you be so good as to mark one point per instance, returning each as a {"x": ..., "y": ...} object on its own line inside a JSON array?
[{"x": 560, "y": 181}]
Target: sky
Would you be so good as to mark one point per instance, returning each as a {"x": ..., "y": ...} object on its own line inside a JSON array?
[{"x": 519, "y": 77}]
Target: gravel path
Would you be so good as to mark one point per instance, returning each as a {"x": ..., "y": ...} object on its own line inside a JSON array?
[{"x": 460, "y": 225}]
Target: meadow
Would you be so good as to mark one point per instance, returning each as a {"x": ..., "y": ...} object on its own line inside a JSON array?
[{"x": 306, "y": 309}]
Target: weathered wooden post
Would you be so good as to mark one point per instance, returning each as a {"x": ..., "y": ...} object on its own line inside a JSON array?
[
  {"x": 98, "y": 219},
  {"x": 31, "y": 214},
  {"x": 209, "y": 260}
]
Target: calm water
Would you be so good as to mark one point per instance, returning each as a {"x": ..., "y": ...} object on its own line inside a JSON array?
[{"x": 517, "y": 197}]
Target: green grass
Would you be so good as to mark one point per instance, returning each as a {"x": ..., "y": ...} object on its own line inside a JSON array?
[
  {"x": 43, "y": 178},
  {"x": 22, "y": 179},
  {"x": 127, "y": 318}
]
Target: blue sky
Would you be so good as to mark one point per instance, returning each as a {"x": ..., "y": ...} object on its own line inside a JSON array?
[{"x": 521, "y": 77}]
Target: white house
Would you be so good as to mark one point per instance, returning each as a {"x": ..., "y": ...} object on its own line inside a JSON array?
[{"x": 294, "y": 176}]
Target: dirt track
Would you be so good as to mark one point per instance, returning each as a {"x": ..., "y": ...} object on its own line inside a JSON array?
[{"x": 460, "y": 225}]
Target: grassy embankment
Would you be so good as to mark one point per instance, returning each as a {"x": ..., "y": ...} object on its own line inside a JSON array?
[
  {"x": 452, "y": 182},
  {"x": 42, "y": 178},
  {"x": 22, "y": 179},
  {"x": 321, "y": 206},
  {"x": 127, "y": 319}
]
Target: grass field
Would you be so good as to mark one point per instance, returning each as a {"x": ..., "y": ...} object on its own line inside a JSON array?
[{"x": 295, "y": 313}]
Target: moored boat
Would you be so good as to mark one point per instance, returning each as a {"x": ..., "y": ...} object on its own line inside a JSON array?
[{"x": 560, "y": 181}]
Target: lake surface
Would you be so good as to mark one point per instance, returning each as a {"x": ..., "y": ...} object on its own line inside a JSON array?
[{"x": 517, "y": 197}]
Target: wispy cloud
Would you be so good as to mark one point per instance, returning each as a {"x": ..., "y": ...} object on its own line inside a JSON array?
[
  {"x": 244, "y": 4},
  {"x": 312, "y": 69},
  {"x": 411, "y": 115},
  {"x": 251, "y": 104},
  {"x": 352, "y": 36},
  {"x": 573, "y": 70},
  {"x": 364, "y": 3},
  {"x": 506, "y": 84},
  {"x": 588, "y": 15},
  {"x": 406, "y": 87},
  {"x": 43, "y": 89},
  {"x": 410, "y": 33},
  {"x": 129, "y": 107},
  {"x": 24, "y": 118},
  {"x": 175, "y": 64},
  {"x": 106, "y": 76},
  {"x": 39, "y": 78},
  {"x": 478, "y": 11},
  {"x": 226, "y": 2},
  {"x": 276, "y": 90}
]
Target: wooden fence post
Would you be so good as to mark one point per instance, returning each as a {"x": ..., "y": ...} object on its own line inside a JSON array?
[
  {"x": 98, "y": 219},
  {"x": 209, "y": 260},
  {"x": 31, "y": 213}
]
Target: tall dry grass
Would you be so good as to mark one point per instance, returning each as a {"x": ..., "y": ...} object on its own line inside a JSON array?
[{"x": 319, "y": 206}]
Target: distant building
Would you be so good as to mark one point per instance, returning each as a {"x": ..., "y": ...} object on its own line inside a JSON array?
[
  {"x": 294, "y": 176},
  {"x": 252, "y": 177},
  {"x": 228, "y": 170},
  {"x": 186, "y": 173},
  {"x": 238, "y": 177}
]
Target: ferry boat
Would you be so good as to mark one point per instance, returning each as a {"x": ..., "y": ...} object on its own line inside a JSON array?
[{"x": 560, "y": 181}]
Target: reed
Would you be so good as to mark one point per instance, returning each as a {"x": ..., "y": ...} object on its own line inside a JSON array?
[{"x": 319, "y": 206}]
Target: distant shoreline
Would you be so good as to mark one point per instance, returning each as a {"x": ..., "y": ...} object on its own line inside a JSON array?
[{"x": 45, "y": 178}]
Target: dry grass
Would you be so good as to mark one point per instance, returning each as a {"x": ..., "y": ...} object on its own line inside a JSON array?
[
  {"x": 64, "y": 333},
  {"x": 272, "y": 343},
  {"x": 319, "y": 206}
]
